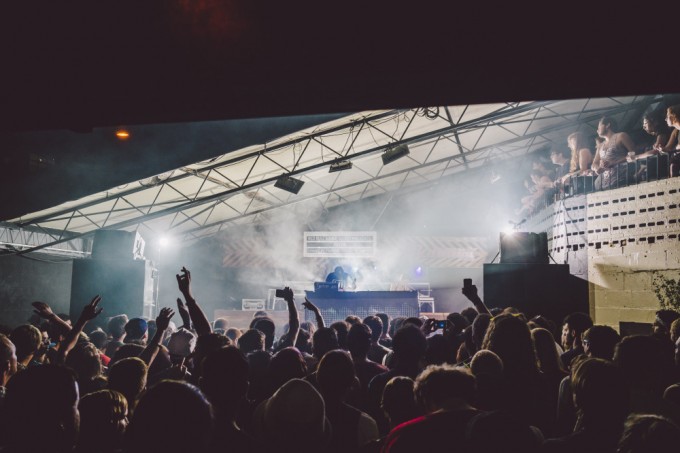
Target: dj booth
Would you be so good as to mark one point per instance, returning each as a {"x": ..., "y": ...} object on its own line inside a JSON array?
[{"x": 337, "y": 305}]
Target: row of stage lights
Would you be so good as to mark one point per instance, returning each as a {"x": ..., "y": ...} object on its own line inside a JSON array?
[{"x": 293, "y": 185}]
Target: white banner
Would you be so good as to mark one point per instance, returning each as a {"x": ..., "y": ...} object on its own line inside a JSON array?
[{"x": 339, "y": 244}]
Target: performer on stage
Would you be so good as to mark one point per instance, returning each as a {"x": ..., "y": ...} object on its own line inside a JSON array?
[{"x": 343, "y": 279}]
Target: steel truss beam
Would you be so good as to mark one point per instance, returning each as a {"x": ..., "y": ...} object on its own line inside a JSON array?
[{"x": 370, "y": 134}]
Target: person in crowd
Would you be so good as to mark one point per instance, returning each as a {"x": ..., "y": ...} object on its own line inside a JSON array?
[
  {"x": 224, "y": 381},
  {"x": 399, "y": 401},
  {"x": 560, "y": 158},
  {"x": 325, "y": 339},
  {"x": 128, "y": 376},
  {"x": 296, "y": 407},
  {"x": 116, "y": 330},
  {"x": 647, "y": 382},
  {"x": 8, "y": 365},
  {"x": 550, "y": 365},
  {"x": 27, "y": 339},
  {"x": 341, "y": 330},
  {"x": 285, "y": 365},
  {"x": 647, "y": 433},
  {"x": 171, "y": 407},
  {"x": 385, "y": 338},
  {"x": 445, "y": 394},
  {"x": 573, "y": 327},
  {"x": 359, "y": 343},
  {"x": 653, "y": 124},
  {"x": 662, "y": 323},
  {"x": 598, "y": 341},
  {"x": 614, "y": 150},
  {"x": 85, "y": 360},
  {"x": 40, "y": 413},
  {"x": 251, "y": 340},
  {"x": 601, "y": 397},
  {"x": 268, "y": 328},
  {"x": 487, "y": 368},
  {"x": 352, "y": 319},
  {"x": 103, "y": 421},
  {"x": 527, "y": 393},
  {"x": 221, "y": 323},
  {"x": 205, "y": 344},
  {"x": 376, "y": 352},
  {"x": 233, "y": 334},
  {"x": 409, "y": 345},
  {"x": 136, "y": 331},
  {"x": 350, "y": 427},
  {"x": 581, "y": 155}
]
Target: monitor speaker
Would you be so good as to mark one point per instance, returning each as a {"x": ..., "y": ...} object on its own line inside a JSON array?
[
  {"x": 116, "y": 244},
  {"x": 126, "y": 287},
  {"x": 527, "y": 248}
]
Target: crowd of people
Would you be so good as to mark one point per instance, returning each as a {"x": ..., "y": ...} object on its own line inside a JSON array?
[
  {"x": 601, "y": 159},
  {"x": 490, "y": 381}
]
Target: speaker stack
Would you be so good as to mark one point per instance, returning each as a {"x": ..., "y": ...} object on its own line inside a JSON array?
[{"x": 118, "y": 273}]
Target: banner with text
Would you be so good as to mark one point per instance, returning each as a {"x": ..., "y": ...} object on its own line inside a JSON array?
[{"x": 339, "y": 244}]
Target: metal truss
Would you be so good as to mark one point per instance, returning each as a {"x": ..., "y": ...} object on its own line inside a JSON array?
[{"x": 202, "y": 199}]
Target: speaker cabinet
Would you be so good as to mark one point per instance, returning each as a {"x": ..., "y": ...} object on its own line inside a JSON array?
[
  {"x": 521, "y": 247},
  {"x": 116, "y": 244},
  {"x": 535, "y": 289},
  {"x": 126, "y": 286}
]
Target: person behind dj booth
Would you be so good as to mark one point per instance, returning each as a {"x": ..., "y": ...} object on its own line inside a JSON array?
[{"x": 343, "y": 279}]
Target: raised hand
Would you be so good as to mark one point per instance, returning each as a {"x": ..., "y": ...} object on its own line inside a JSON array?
[
  {"x": 310, "y": 306},
  {"x": 184, "y": 283},
  {"x": 470, "y": 292},
  {"x": 163, "y": 318},
  {"x": 184, "y": 313},
  {"x": 288, "y": 294},
  {"x": 43, "y": 310},
  {"x": 90, "y": 311},
  {"x": 429, "y": 326}
]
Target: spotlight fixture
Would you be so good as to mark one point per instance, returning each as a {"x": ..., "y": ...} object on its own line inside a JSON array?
[
  {"x": 395, "y": 153},
  {"x": 340, "y": 166},
  {"x": 122, "y": 134},
  {"x": 289, "y": 184}
]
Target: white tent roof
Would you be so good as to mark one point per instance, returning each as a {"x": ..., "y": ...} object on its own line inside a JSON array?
[{"x": 204, "y": 198}]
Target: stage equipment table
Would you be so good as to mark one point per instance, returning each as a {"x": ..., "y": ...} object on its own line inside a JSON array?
[{"x": 337, "y": 305}]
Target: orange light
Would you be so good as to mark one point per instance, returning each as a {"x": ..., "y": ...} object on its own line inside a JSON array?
[{"x": 123, "y": 134}]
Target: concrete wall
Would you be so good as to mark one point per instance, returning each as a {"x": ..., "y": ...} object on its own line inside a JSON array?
[{"x": 618, "y": 240}]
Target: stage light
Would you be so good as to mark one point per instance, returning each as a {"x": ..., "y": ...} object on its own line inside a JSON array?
[
  {"x": 122, "y": 134},
  {"x": 419, "y": 271},
  {"x": 289, "y": 184},
  {"x": 164, "y": 241},
  {"x": 340, "y": 166},
  {"x": 395, "y": 153}
]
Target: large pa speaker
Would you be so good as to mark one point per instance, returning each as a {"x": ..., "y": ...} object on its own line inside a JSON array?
[
  {"x": 126, "y": 286},
  {"x": 535, "y": 289},
  {"x": 521, "y": 247},
  {"x": 116, "y": 244}
]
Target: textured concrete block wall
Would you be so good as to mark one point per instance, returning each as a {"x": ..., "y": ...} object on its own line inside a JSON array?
[{"x": 618, "y": 240}]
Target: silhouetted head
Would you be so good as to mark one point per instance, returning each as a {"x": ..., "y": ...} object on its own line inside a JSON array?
[
  {"x": 41, "y": 409},
  {"x": 224, "y": 379},
  {"x": 252, "y": 340},
  {"x": 359, "y": 340},
  {"x": 103, "y": 420},
  {"x": 325, "y": 339},
  {"x": 600, "y": 341},
  {"x": 398, "y": 400},
  {"x": 171, "y": 407},
  {"x": 335, "y": 374},
  {"x": 648, "y": 433},
  {"x": 439, "y": 386},
  {"x": 409, "y": 345}
]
